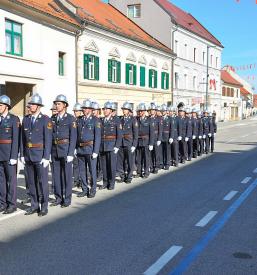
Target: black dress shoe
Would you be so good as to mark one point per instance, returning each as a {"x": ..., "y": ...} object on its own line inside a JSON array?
[
  {"x": 27, "y": 200},
  {"x": 91, "y": 195},
  {"x": 145, "y": 176},
  {"x": 128, "y": 181},
  {"x": 31, "y": 211},
  {"x": 102, "y": 187},
  {"x": 55, "y": 203},
  {"x": 111, "y": 188},
  {"x": 64, "y": 205},
  {"x": 2, "y": 208},
  {"x": 10, "y": 210},
  {"x": 155, "y": 171},
  {"x": 43, "y": 213},
  {"x": 166, "y": 168},
  {"x": 82, "y": 194}
]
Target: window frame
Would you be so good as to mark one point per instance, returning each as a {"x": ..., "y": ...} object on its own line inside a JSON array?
[{"x": 12, "y": 34}]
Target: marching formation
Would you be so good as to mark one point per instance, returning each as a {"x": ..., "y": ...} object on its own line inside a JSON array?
[{"x": 93, "y": 145}]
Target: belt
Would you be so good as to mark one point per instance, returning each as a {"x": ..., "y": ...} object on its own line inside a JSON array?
[
  {"x": 127, "y": 136},
  {"x": 83, "y": 144},
  {"x": 34, "y": 145},
  {"x": 143, "y": 136},
  {"x": 156, "y": 132},
  {"x": 109, "y": 137},
  {"x": 166, "y": 132},
  {"x": 61, "y": 141},
  {"x": 5, "y": 141}
]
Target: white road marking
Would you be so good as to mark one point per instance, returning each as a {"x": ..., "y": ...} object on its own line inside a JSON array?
[
  {"x": 206, "y": 219},
  {"x": 255, "y": 171},
  {"x": 246, "y": 180},
  {"x": 230, "y": 195},
  {"x": 163, "y": 260},
  {"x": 230, "y": 140}
]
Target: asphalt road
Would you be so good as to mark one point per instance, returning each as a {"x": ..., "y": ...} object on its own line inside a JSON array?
[{"x": 200, "y": 218}]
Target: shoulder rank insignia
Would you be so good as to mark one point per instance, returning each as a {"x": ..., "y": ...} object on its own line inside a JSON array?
[{"x": 98, "y": 125}]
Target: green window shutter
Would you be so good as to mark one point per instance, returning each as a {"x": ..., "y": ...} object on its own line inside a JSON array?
[
  {"x": 150, "y": 79},
  {"x": 155, "y": 79},
  {"x": 167, "y": 81},
  {"x": 96, "y": 68},
  {"x": 142, "y": 76},
  {"x": 110, "y": 70},
  {"x": 127, "y": 73},
  {"x": 86, "y": 66},
  {"x": 118, "y": 72},
  {"x": 163, "y": 75},
  {"x": 134, "y": 75}
]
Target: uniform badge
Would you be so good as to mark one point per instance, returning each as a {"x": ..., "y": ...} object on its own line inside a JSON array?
[
  {"x": 120, "y": 126},
  {"x": 74, "y": 125},
  {"x": 49, "y": 125},
  {"x": 136, "y": 124},
  {"x": 98, "y": 125}
]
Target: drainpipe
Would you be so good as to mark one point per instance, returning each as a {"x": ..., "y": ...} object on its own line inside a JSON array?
[{"x": 77, "y": 36}]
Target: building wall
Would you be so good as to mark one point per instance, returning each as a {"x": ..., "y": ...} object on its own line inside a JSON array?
[
  {"x": 103, "y": 44},
  {"x": 39, "y": 64},
  {"x": 149, "y": 11}
]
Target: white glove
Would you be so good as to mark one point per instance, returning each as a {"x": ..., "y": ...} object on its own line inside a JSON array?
[
  {"x": 179, "y": 138},
  {"x": 133, "y": 148},
  {"x": 200, "y": 137},
  {"x": 22, "y": 160},
  {"x": 209, "y": 135},
  {"x": 75, "y": 152},
  {"x": 115, "y": 149},
  {"x": 214, "y": 134},
  {"x": 150, "y": 147},
  {"x": 44, "y": 162},
  {"x": 186, "y": 139},
  {"x": 13, "y": 161},
  {"x": 50, "y": 159},
  {"x": 204, "y": 136},
  {"x": 94, "y": 156},
  {"x": 170, "y": 140},
  {"x": 159, "y": 143},
  {"x": 69, "y": 159},
  {"x": 193, "y": 137}
]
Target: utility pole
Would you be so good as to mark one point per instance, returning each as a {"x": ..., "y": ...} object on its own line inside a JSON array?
[{"x": 207, "y": 79}]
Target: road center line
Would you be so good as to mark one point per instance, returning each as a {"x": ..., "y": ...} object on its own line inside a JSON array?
[
  {"x": 163, "y": 260},
  {"x": 206, "y": 218},
  {"x": 214, "y": 230},
  {"x": 246, "y": 180},
  {"x": 230, "y": 195}
]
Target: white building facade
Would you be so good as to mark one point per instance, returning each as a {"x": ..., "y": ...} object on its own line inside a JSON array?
[{"x": 39, "y": 55}]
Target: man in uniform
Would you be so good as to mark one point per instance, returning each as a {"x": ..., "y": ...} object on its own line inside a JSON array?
[
  {"x": 9, "y": 147},
  {"x": 195, "y": 133},
  {"x": 206, "y": 131},
  {"x": 174, "y": 130},
  {"x": 110, "y": 143},
  {"x": 62, "y": 154},
  {"x": 77, "y": 111},
  {"x": 156, "y": 152},
  {"x": 213, "y": 130},
  {"x": 189, "y": 134},
  {"x": 182, "y": 139},
  {"x": 128, "y": 144},
  {"x": 145, "y": 141},
  {"x": 200, "y": 131},
  {"x": 88, "y": 145},
  {"x": 36, "y": 141}
]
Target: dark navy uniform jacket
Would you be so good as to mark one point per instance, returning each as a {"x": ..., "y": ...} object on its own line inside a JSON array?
[
  {"x": 213, "y": 125},
  {"x": 189, "y": 127},
  {"x": 195, "y": 130},
  {"x": 88, "y": 135},
  {"x": 174, "y": 127},
  {"x": 166, "y": 129},
  {"x": 9, "y": 137},
  {"x": 36, "y": 139},
  {"x": 129, "y": 131},
  {"x": 206, "y": 125},
  {"x": 64, "y": 136},
  {"x": 200, "y": 126},
  {"x": 182, "y": 126},
  {"x": 145, "y": 131},
  {"x": 111, "y": 134},
  {"x": 158, "y": 125}
]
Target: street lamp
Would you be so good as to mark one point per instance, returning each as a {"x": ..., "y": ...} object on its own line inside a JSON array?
[{"x": 207, "y": 76}]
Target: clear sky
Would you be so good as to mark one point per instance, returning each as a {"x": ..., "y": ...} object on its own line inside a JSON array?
[{"x": 234, "y": 24}]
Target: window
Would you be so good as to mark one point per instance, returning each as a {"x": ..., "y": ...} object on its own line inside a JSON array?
[
  {"x": 211, "y": 59},
  {"x": 176, "y": 47},
  {"x": 217, "y": 62},
  {"x": 13, "y": 37},
  {"x": 194, "y": 83},
  {"x": 194, "y": 54},
  {"x": 134, "y": 11},
  {"x": 185, "y": 81},
  {"x": 142, "y": 76},
  {"x": 185, "y": 51},
  {"x": 61, "y": 63},
  {"x": 228, "y": 92},
  {"x": 176, "y": 81},
  {"x": 203, "y": 57},
  {"x": 131, "y": 74},
  {"x": 152, "y": 78},
  {"x": 91, "y": 67},
  {"x": 165, "y": 81},
  {"x": 232, "y": 92},
  {"x": 114, "y": 71},
  {"x": 223, "y": 91}
]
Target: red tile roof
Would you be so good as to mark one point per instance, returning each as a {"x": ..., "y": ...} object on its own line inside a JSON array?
[
  {"x": 227, "y": 78},
  {"x": 187, "y": 21},
  {"x": 255, "y": 101},
  {"x": 48, "y": 7},
  {"x": 243, "y": 91},
  {"x": 99, "y": 13}
]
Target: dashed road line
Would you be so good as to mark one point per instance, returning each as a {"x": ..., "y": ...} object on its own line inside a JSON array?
[
  {"x": 163, "y": 260},
  {"x": 205, "y": 220},
  {"x": 246, "y": 180},
  {"x": 230, "y": 195}
]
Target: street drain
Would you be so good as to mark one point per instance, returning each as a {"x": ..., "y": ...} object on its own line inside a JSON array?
[{"x": 242, "y": 255}]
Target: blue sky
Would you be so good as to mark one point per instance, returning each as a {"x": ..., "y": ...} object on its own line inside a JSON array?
[{"x": 234, "y": 23}]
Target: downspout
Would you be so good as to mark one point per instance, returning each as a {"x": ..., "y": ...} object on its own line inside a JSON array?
[
  {"x": 172, "y": 68},
  {"x": 77, "y": 36}
]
